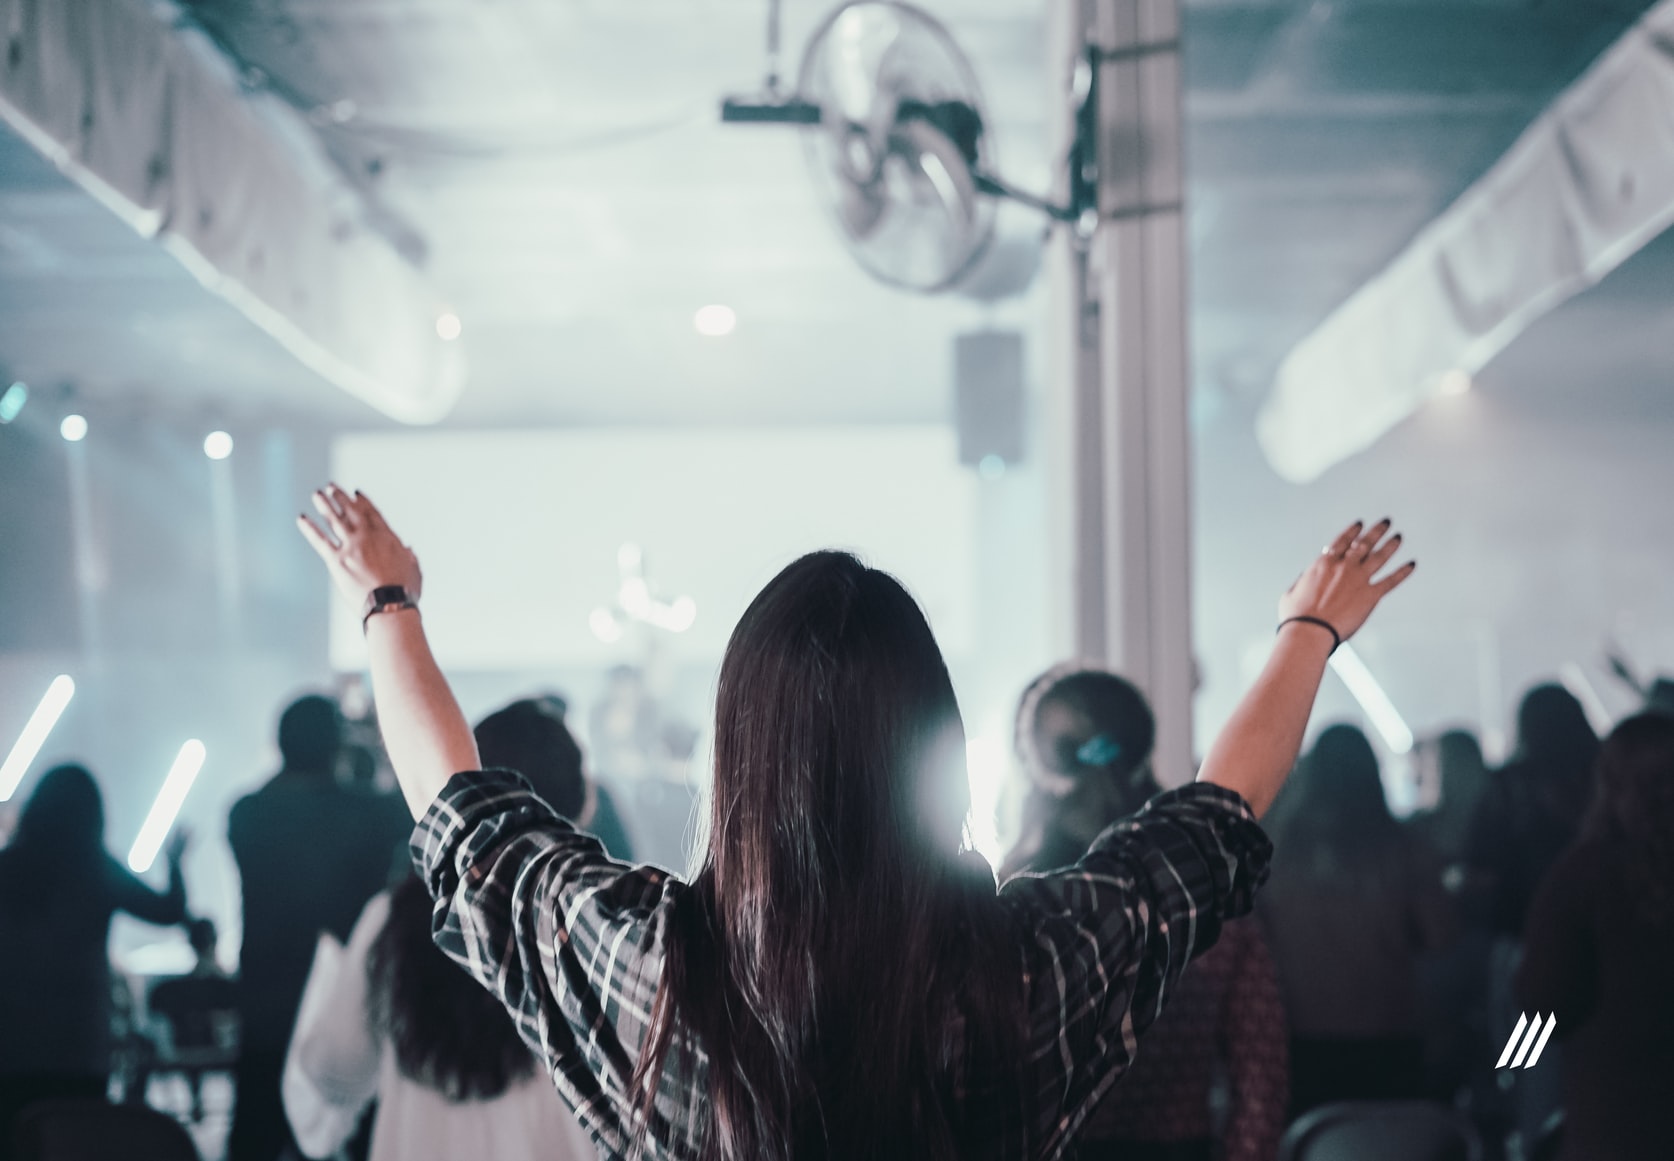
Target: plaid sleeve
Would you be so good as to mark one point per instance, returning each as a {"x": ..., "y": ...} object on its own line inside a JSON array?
[
  {"x": 570, "y": 941},
  {"x": 1106, "y": 939}
]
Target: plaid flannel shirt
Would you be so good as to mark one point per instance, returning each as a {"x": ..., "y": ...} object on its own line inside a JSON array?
[{"x": 572, "y": 944}]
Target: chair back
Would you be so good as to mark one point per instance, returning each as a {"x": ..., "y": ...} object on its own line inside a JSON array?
[
  {"x": 94, "y": 1130},
  {"x": 1381, "y": 1131}
]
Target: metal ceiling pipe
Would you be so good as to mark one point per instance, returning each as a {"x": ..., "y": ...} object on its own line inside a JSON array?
[
  {"x": 141, "y": 109},
  {"x": 1588, "y": 184}
]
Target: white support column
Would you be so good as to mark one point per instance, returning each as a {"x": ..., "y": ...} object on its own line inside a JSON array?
[{"x": 1122, "y": 299}]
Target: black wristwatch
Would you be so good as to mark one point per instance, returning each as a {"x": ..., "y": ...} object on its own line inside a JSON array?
[{"x": 385, "y": 599}]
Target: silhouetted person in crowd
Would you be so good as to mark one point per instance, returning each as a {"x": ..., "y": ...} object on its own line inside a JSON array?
[
  {"x": 1454, "y": 979},
  {"x": 1354, "y": 899},
  {"x": 193, "y": 1008},
  {"x": 310, "y": 853},
  {"x": 1533, "y": 806},
  {"x": 1599, "y": 953},
  {"x": 398, "y": 1022},
  {"x": 59, "y": 888},
  {"x": 1659, "y": 698},
  {"x": 1084, "y": 739},
  {"x": 1464, "y": 780}
]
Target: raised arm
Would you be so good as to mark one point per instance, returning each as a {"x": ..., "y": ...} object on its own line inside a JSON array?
[
  {"x": 424, "y": 731},
  {"x": 1333, "y": 597}
]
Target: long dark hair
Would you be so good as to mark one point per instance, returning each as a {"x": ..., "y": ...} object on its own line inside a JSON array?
[
  {"x": 1556, "y": 749},
  {"x": 1084, "y": 737},
  {"x": 1633, "y": 809},
  {"x": 60, "y": 838},
  {"x": 834, "y": 959},
  {"x": 1336, "y": 820},
  {"x": 447, "y": 1032}
]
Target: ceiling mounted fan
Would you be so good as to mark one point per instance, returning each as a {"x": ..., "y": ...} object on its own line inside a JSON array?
[{"x": 899, "y": 144}]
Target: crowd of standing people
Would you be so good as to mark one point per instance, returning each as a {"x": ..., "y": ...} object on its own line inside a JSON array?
[{"x": 837, "y": 978}]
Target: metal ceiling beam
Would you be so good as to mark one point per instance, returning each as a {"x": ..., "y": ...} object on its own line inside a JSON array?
[
  {"x": 1590, "y": 182},
  {"x": 144, "y": 112}
]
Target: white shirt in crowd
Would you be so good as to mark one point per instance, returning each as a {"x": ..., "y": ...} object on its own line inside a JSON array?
[{"x": 338, "y": 1061}]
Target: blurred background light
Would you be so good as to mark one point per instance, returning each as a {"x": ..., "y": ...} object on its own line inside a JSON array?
[
  {"x": 217, "y": 445},
  {"x": 1385, "y": 718},
  {"x": 12, "y": 401},
  {"x": 34, "y": 734},
  {"x": 715, "y": 320},
  {"x": 1454, "y": 382},
  {"x": 604, "y": 626},
  {"x": 448, "y": 326},
  {"x": 161, "y": 818},
  {"x": 73, "y": 429}
]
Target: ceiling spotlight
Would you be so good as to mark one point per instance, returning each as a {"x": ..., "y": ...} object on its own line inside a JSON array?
[
  {"x": 12, "y": 401},
  {"x": 448, "y": 326},
  {"x": 73, "y": 429},
  {"x": 715, "y": 320},
  {"x": 217, "y": 445}
]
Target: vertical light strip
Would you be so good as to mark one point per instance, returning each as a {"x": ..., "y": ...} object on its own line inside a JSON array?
[
  {"x": 34, "y": 735},
  {"x": 1384, "y": 716},
  {"x": 89, "y": 574},
  {"x": 223, "y": 506},
  {"x": 1575, "y": 680},
  {"x": 986, "y": 767},
  {"x": 163, "y": 811}
]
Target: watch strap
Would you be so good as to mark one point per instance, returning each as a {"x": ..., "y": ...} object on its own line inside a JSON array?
[{"x": 385, "y": 599}]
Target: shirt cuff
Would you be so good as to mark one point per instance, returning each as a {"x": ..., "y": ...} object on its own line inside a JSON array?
[
  {"x": 1209, "y": 836},
  {"x": 482, "y": 807}
]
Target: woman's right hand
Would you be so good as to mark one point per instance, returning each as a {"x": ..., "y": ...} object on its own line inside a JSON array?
[
  {"x": 1339, "y": 587},
  {"x": 358, "y": 546}
]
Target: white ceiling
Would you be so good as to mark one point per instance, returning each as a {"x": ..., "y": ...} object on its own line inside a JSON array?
[{"x": 577, "y": 199}]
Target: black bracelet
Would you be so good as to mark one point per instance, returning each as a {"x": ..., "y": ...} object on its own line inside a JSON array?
[{"x": 1336, "y": 637}]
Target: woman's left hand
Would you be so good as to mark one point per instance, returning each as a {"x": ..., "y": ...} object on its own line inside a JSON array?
[{"x": 359, "y": 548}]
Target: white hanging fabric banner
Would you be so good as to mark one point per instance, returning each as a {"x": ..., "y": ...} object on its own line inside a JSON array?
[
  {"x": 1586, "y": 185},
  {"x": 143, "y": 111}
]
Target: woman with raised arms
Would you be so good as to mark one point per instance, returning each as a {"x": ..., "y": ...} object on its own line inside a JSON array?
[{"x": 840, "y": 979}]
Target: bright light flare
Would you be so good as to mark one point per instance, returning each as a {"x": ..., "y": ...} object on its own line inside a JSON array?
[
  {"x": 217, "y": 445},
  {"x": 715, "y": 320},
  {"x": 35, "y": 731},
  {"x": 73, "y": 429},
  {"x": 987, "y": 763},
  {"x": 1385, "y": 718},
  {"x": 448, "y": 326},
  {"x": 176, "y": 786}
]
